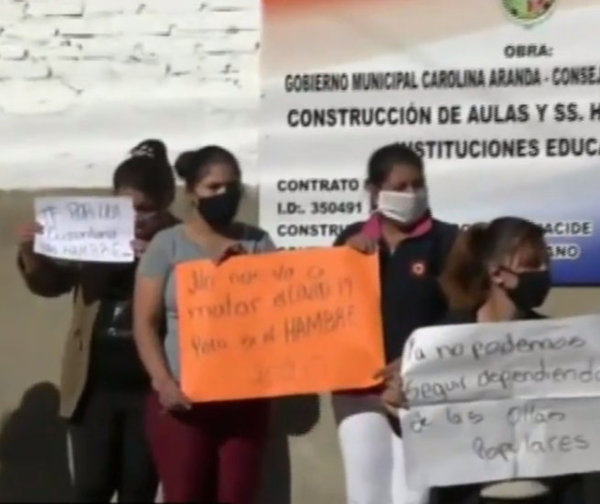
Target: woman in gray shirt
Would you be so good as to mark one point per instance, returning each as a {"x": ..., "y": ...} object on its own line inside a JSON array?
[{"x": 204, "y": 452}]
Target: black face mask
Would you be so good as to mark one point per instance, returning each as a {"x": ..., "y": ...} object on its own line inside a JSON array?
[
  {"x": 532, "y": 289},
  {"x": 220, "y": 210}
]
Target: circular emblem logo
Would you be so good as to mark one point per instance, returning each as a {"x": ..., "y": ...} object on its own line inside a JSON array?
[
  {"x": 418, "y": 268},
  {"x": 529, "y": 12}
]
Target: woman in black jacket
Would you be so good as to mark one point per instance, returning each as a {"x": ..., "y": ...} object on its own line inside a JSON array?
[{"x": 412, "y": 246}]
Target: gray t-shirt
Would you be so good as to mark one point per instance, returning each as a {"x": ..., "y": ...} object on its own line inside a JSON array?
[{"x": 171, "y": 247}]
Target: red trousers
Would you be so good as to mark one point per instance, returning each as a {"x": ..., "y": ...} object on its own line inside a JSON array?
[{"x": 212, "y": 453}]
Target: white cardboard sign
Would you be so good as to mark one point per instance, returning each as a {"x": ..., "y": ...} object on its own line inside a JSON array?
[
  {"x": 501, "y": 401},
  {"x": 98, "y": 229}
]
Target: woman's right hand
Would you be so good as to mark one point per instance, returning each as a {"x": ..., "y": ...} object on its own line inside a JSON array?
[
  {"x": 171, "y": 397},
  {"x": 26, "y": 233},
  {"x": 362, "y": 243},
  {"x": 392, "y": 396}
]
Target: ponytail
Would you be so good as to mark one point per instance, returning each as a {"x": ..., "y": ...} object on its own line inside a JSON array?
[
  {"x": 465, "y": 280},
  {"x": 154, "y": 149}
]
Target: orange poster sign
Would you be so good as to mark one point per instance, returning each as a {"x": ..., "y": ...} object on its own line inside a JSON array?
[{"x": 279, "y": 324}]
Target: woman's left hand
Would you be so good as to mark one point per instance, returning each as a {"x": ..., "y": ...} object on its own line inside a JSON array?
[
  {"x": 139, "y": 247},
  {"x": 393, "y": 394},
  {"x": 389, "y": 372},
  {"x": 233, "y": 249}
]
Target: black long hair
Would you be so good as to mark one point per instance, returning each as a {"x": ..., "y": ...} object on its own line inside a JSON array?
[
  {"x": 191, "y": 165},
  {"x": 466, "y": 280},
  {"x": 148, "y": 170}
]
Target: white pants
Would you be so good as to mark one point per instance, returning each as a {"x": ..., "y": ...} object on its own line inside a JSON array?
[{"x": 372, "y": 453}]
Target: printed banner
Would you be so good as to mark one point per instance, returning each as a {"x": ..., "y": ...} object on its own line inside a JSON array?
[
  {"x": 279, "y": 324},
  {"x": 501, "y": 401},
  {"x": 501, "y": 97},
  {"x": 92, "y": 228}
]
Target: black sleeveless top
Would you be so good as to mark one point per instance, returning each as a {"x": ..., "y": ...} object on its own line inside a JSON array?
[{"x": 114, "y": 361}]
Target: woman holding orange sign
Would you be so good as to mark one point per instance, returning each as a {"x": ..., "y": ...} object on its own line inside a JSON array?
[
  {"x": 208, "y": 452},
  {"x": 412, "y": 247}
]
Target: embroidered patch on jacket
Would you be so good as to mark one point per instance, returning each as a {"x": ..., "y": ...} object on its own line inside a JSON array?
[{"x": 418, "y": 268}]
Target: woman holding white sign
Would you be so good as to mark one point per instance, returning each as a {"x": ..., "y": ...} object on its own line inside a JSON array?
[
  {"x": 413, "y": 247},
  {"x": 104, "y": 385},
  {"x": 499, "y": 272},
  {"x": 209, "y": 451}
]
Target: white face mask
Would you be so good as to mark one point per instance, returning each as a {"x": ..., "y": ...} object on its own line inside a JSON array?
[{"x": 403, "y": 207}]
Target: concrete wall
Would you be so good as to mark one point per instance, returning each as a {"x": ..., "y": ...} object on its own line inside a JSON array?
[
  {"x": 82, "y": 80},
  {"x": 33, "y": 457}
]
